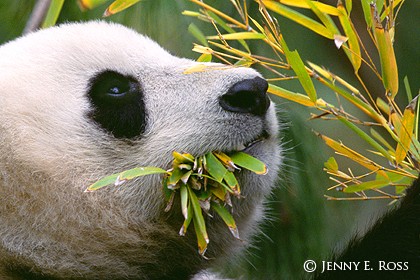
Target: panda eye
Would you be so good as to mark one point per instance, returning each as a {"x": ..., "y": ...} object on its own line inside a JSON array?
[{"x": 117, "y": 104}]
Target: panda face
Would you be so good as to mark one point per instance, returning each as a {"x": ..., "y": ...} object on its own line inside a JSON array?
[{"x": 82, "y": 101}]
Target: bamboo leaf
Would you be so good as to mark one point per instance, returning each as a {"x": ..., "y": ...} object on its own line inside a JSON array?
[
  {"x": 303, "y": 4},
  {"x": 199, "y": 223},
  {"x": 298, "y": 66},
  {"x": 123, "y": 176},
  {"x": 198, "y": 34},
  {"x": 226, "y": 217},
  {"x": 331, "y": 165},
  {"x": 187, "y": 221},
  {"x": 340, "y": 148},
  {"x": 249, "y": 162},
  {"x": 53, "y": 12},
  {"x": 294, "y": 96},
  {"x": 386, "y": 57},
  {"x": 299, "y": 18},
  {"x": 108, "y": 180},
  {"x": 406, "y": 131},
  {"x": 231, "y": 181},
  {"x": 184, "y": 201},
  {"x": 118, "y": 6},
  {"x": 215, "y": 168},
  {"x": 140, "y": 171},
  {"x": 367, "y": 138},
  {"x": 353, "y": 42},
  {"x": 239, "y": 36}
]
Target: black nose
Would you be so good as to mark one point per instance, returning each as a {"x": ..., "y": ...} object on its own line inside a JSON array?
[{"x": 247, "y": 96}]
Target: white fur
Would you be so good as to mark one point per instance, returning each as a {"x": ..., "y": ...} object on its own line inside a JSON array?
[{"x": 50, "y": 152}]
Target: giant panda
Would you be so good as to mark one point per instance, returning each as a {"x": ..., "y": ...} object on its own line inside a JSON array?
[{"x": 85, "y": 100}]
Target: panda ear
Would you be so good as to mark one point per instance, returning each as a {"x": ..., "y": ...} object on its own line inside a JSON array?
[{"x": 117, "y": 104}]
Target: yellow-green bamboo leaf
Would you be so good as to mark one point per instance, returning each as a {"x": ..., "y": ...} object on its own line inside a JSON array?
[
  {"x": 324, "y": 17},
  {"x": 118, "y": 6},
  {"x": 90, "y": 4},
  {"x": 215, "y": 168},
  {"x": 353, "y": 42},
  {"x": 382, "y": 140},
  {"x": 340, "y": 148},
  {"x": 331, "y": 165},
  {"x": 231, "y": 181},
  {"x": 298, "y": 66},
  {"x": 387, "y": 59},
  {"x": 226, "y": 217},
  {"x": 367, "y": 138},
  {"x": 367, "y": 12},
  {"x": 198, "y": 34},
  {"x": 383, "y": 106},
  {"x": 239, "y": 36},
  {"x": 53, "y": 12},
  {"x": 205, "y": 57},
  {"x": 187, "y": 221},
  {"x": 406, "y": 132},
  {"x": 331, "y": 10},
  {"x": 247, "y": 161},
  {"x": 295, "y": 97},
  {"x": 184, "y": 201},
  {"x": 199, "y": 222},
  {"x": 325, "y": 73},
  {"x": 201, "y": 240},
  {"x": 299, "y": 18}
]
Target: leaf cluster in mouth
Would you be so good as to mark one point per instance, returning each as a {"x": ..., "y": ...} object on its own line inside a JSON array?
[{"x": 204, "y": 184}]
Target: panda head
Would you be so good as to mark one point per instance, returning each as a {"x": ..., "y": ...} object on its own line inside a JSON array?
[{"x": 85, "y": 100}]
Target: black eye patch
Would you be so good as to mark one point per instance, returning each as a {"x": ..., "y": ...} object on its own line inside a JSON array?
[{"x": 118, "y": 104}]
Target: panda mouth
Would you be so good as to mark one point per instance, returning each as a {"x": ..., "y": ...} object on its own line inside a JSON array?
[{"x": 243, "y": 147}]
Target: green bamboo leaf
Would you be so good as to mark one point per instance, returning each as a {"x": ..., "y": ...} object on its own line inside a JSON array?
[
  {"x": 174, "y": 178},
  {"x": 366, "y": 186},
  {"x": 304, "y": 4},
  {"x": 366, "y": 12},
  {"x": 382, "y": 180},
  {"x": 354, "y": 54},
  {"x": 187, "y": 221},
  {"x": 140, "y": 171},
  {"x": 205, "y": 57},
  {"x": 184, "y": 201},
  {"x": 183, "y": 158},
  {"x": 231, "y": 181},
  {"x": 198, "y": 34},
  {"x": 226, "y": 217},
  {"x": 215, "y": 168},
  {"x": 108, "y": 180},
  {"x": 53, "y": 12},
  {"x": 367, "y": 138},
  {"x": 299, "y": 18},
  {"x": 201, "y": 241},
  {"x": 406, "y": 131},
  {"x": 299, "y": 67},
  {"x": 118, "y": 6},
  {"x": 199, "y": 222},
  {"x": 239, "y": 36},
  {"x": 331, "y": 165},
  {"x": 247, "y": 161},
  {"x": 387, "y": 58},
  {"x": 293, "y": 96}
]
